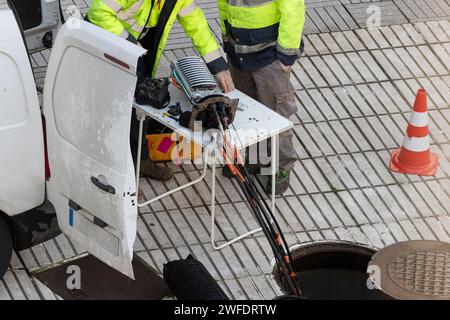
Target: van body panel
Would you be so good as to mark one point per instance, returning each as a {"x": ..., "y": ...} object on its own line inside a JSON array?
[{"x": 22, "y": 170}]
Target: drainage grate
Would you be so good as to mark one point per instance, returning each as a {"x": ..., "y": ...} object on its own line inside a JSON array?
[{"x": 415, "y": 270}]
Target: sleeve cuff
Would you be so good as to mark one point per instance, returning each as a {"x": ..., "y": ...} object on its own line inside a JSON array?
[
  {"x": 132, "y": 39},
  {"x": 287, "y": 60},
  {"x": 217, "y": 65}
]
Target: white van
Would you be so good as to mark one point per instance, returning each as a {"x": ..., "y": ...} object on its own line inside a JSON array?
[{"x": 70, "y": 158}]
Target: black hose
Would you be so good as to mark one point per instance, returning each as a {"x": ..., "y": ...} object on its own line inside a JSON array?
[{"x": 190, "y": 280}]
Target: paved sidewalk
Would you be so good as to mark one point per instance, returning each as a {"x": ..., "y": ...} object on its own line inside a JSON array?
[{"x": 355, "y": 87}]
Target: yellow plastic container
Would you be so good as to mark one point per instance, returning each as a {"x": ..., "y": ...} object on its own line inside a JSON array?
[{"x": 172, "y": 147}]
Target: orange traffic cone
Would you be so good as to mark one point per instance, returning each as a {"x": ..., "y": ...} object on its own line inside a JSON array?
[{"x": 415, "y": 156}]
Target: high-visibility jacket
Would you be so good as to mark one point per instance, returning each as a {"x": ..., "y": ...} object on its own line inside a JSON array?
[
  {"x": 131, "y": 19},
  {"x": 257, "y": 32}
]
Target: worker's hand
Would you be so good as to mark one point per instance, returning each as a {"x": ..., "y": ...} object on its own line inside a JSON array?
[
  {"x": 225, "y": 81},
  {"x": 284, "y": 67}
]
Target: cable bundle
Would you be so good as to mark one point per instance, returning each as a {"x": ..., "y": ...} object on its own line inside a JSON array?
[{"x": 262, "y": 212}]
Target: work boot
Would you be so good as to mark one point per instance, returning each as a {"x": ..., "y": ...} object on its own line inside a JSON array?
[
  {"x": 151, "y": 170},
  {"x": 251, "y": 168},
  {"x": 282, "y": 182}
]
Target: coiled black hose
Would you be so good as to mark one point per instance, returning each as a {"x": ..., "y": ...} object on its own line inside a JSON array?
[{"x": 190, "y": 280}]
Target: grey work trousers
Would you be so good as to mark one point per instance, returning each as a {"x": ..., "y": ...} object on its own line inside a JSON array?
[{"x": 271, "y": 86}]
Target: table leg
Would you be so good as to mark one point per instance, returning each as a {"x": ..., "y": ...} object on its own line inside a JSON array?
[
  {"x": 141, "y": 119},
  {"x": 274, "y": 152},
  {"x": 213, "y": 226},
  {"x": 213, "y": 217},
  {"x": 202, "y": 176}
]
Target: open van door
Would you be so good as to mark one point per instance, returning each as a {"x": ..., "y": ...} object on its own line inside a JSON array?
[
  {"x": 88, "y": 100},
  {"x": 40, "y": 21}
]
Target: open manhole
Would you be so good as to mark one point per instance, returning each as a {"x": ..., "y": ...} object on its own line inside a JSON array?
[
  {"x": 333, "y": 271},
  {"x": 414, "y": 270}
]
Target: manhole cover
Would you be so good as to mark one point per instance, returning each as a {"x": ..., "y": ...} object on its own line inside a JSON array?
[{"x": 414, "y": 270}]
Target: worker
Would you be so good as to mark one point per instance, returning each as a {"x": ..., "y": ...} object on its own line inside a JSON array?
[
  {"x": 148, "y": 22},
  {"x": 263, "y": 39}
]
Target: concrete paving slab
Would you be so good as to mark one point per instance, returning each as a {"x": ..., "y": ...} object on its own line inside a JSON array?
[{"x": 355, "y": 87}]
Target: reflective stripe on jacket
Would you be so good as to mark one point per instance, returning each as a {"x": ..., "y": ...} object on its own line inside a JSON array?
[
  {"x": 130, "y": 19},
  {"x": 257, "y": 32}
]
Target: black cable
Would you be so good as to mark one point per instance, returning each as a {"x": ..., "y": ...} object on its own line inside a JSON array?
[
  {"x": 250, "y": 192},
  {"x": 266, "y": 212},
  {"x": 284, "y": 251},
  {"x": 146, "y": 22},
  {"x": 269, "y": 231},
  {"x": 269, "y": 209},
  {"x": 269, "y": 236},
  {"x": 261, "y": 196}
]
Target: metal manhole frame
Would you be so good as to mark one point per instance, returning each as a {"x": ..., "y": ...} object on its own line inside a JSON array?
[{"x": 297, "y": 248}]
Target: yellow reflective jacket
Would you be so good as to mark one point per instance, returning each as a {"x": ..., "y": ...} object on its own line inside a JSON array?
[
  {"x": 257, "y": 32},
  {"x": 131, "y": 19}
]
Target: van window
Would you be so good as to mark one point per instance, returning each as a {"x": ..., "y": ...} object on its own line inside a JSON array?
[
  {"x": 85, "y": 112},
  {"x": 29, "y": 12}
]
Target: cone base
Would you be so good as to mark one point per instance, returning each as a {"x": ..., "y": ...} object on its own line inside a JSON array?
[{"x": 428, "y": 170}]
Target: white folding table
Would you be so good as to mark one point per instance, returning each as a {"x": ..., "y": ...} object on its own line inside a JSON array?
[{"x": 253, "y": 123}]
